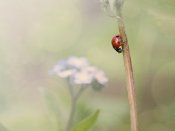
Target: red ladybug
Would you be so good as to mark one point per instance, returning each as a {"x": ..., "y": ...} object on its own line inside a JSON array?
[{"x": 116, "y": 43}]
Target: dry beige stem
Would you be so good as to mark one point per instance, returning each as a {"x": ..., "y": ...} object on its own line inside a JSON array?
[
  {"x": 130, "y": 77},
  {"x": 114, "y": 8}
]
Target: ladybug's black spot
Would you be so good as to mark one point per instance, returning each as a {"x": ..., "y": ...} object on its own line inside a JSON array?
[{"x": 119, "y": 50}]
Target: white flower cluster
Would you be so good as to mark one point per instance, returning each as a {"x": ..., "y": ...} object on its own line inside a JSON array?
[{"x": 78, "y": 71}]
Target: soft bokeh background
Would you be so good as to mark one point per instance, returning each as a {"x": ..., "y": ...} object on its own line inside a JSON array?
[{"x": 35, "y": 34}]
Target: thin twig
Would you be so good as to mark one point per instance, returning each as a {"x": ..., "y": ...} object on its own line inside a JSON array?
[{"x": 130, "y": 77}]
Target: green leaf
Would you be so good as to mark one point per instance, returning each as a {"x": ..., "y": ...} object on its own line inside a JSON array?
[
  {"x": 87, "y": 123},
  {"x": 3, "y": 128}
]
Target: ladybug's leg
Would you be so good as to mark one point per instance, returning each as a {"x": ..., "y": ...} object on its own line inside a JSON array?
[{"x": 123, "y": 41}]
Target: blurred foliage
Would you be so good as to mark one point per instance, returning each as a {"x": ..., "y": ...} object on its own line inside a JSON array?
[
  {"x": 2, "y": 127},
  {"x": 87, "y": 123},
  {"x": 35, "y": 34}
]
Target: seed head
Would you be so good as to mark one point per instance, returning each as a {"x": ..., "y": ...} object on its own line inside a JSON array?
[{"x": 112, "y": 7}]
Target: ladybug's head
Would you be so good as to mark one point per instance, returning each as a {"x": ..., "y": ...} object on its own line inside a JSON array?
[{"x": 119, "y": 50}]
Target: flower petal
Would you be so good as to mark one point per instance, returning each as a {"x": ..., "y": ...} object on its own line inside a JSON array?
[
  {"x": 82, "y": 78},
  {"x": 66, "y": 73},
  {"x": 101, "y": 78},
  {"x": 77, "y": 62}
]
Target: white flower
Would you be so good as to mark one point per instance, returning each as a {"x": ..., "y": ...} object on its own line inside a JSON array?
[
  {"x": 82, "y": 77},
  {"x": 60, "y": 66},
  {"x": 66, "y": 73},
  {"x": 77, "y": 62},
  {"x": 78, "y": 71},
  {"x": 90, "y": 69},
  {"x": 101, "y": 78}
]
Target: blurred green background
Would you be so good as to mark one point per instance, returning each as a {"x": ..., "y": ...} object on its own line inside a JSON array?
[{"x": 35, "y": 34}]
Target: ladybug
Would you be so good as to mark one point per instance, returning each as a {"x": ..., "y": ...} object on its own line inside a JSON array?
[{"x": 116, "y": 43}]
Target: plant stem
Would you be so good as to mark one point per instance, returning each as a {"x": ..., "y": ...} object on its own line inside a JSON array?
[
  {"x": 71, "y": 116},
  {"x": 130, "y": 77},
  {"x": 74, "y": 99}
]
